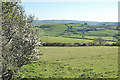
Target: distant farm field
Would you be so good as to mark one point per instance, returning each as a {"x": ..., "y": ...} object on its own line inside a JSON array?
[
  {"x": 105, "y": 38},
  {"x": 60, "y": 29},
  {"x": 50, "y": 39},
  {"x": 56, "y": 33},
  {"x": 71, "y": 62},
  {"x": 102, "y": 33}
]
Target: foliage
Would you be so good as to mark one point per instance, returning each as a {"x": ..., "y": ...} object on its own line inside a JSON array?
[
  {"x": 19, "y": 46},
  {"x": 99, "y": 41},
  {"x": 116, "y": 36}
]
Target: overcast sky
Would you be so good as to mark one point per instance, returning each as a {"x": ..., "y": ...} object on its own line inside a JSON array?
[{"x": 82, "y": 10}]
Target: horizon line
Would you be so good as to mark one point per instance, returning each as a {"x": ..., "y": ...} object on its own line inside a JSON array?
[{"x": 77, "y": 20}]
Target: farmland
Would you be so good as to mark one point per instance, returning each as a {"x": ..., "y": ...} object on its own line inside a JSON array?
[
  {"x": 33, "y": 48},
  {"x": 74, "y": 62},
  {"x": 50, "y": 39},
  {"x": 71, "y": 62},
  {"x": 59, "y": 31}
]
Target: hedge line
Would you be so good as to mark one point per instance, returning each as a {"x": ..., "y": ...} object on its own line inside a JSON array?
[{"x": 78, "y": 44}]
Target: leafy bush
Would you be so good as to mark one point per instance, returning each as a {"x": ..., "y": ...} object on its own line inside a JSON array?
[{"x": 99, "y": 41}]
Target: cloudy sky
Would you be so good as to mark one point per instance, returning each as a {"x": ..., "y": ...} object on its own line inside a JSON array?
[{"x": 82, "y": 10}]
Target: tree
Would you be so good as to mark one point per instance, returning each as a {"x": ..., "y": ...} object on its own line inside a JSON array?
[
  {"x": 85, "y": 23},
  {"x": 116, "y": 37},
  {"x": 99, "y": 41},
  {"x": 69, "y": 34},
  {"x": 19, "y": 42},
  {"x": 83, "y": 33}
]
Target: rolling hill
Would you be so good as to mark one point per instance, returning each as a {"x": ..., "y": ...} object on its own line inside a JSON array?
[
  {"x": 37, "y": 22},
  {"x": 60, "y": 29}
]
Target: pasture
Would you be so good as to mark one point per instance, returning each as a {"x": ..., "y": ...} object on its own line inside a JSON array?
[
  {"x": 57, "y": 32},
  {"x": 53, "y": 29},
  {"x": 74, "y": 62},
  {"x": 103, "y": 33},
  {"x": 50, "y": 39},
  {"x": 105, "y": 38},
  {"x": 58, "y": 29}
]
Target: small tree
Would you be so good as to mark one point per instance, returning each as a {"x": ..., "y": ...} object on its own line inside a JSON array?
[
  {"x": 83, "y": 34},
  {"x": 99, "y": 41},
  {"x": 85, "y": 23},
  {"x": 118, "y": 43},
  {"x": 69, "y": 34},
  {"x": 20, "y": 41},
  {"x": 116, "y": 37}
]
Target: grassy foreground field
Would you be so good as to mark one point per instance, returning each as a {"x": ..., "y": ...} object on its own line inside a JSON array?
[{"x": 71, "y": 62}]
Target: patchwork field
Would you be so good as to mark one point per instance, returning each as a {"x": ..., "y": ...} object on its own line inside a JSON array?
[
  {"x": 56, "y": 32},
  {"x": 74, "y": 62},
  {"x": 61, "y": 29}
]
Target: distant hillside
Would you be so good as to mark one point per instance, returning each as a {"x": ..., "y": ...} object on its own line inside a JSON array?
[
  {"x": 75, "y": 30},
  {"x": 53, "y": 29},
  {"x": 37, "y": 22}
]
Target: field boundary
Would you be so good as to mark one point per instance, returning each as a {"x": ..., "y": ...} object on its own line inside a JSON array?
[{"x": 77, "y": 44}]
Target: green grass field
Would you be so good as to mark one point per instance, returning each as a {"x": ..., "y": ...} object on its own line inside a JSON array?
[
  {"x": 54, "y": 29},
  {"x": 58, "y": 29},
  {"x": 102, "y": 33},
  {"x": 105, "y": 38},
  {"x": 74, "y": 62},
  {"x": 50, "y": 39}
]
